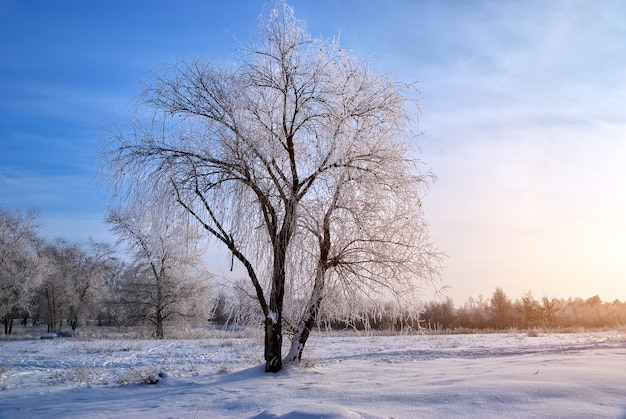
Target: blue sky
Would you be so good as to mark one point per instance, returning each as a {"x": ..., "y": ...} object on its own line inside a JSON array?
[{"x": 523, "y": 112}]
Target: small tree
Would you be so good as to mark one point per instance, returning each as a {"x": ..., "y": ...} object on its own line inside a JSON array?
[{"x": 165, "y": 280}]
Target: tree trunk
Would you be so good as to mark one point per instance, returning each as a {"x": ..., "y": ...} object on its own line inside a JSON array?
[
  {"x": 302, "y": 335},
  {"x": 159, "y": 334},
  {"x": 308, "y": 318},
  {"x": 159, "y": 309},
  {"x": 273, "y": 343},
  {"x": 51, "y": 320},
  {"x": 310, "y": 313},
  {"x": 274, "y": 317},
  {"x": 8, "y": 325}
]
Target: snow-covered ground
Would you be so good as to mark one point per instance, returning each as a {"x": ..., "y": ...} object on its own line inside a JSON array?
[{"x": 494, "y": 375}]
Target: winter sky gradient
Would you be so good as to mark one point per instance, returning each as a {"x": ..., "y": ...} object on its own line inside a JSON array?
[{"x": 523, "y": 113}]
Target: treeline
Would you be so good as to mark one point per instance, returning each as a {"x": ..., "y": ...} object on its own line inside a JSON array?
[
  {"x": 64, "y": 285},
  {"x": 499, "y": 312}
]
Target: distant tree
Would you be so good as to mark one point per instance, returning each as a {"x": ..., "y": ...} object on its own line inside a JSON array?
[
  {"x": 618, "y": 313},
  {"x": 594, "y": 301},
  {"x": 571, "y": 313},
  {"x": 475, "y": 313},
  {"x": 530, "y": 310},
  {"x": 500, "y": 310},
  {"x": 594, "y": 311},
  {"x": 439, "y": 315},
  {"x": 21, "y": 269},
  {"x": 251, "y": 149},
  {"x": 110, "y": 310},
  {"x": 165, "y": 280},
  {"x": 87, "y": 289},
  {"x": 56, "y": 293},
  {"x": 549, "y": 310}
]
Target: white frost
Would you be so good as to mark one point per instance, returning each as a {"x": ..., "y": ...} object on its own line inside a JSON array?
[{"x": 272, "y": 316}]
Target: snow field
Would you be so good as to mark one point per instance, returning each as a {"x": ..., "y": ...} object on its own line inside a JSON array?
[{"x": 493, "y": 375}]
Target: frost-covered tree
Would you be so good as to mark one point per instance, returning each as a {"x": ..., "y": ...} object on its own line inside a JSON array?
[
  {"x": 88, "y": 287},
  {"x": 64, "y": 270},
  {"x": 21, "y": 269},
  {"x": 295, "y": 138},
  {"x": 166, "y": 280},
  {"x": 72, "y": 286}
]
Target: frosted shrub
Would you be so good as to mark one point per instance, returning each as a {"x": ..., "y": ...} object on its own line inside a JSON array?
[
  {"x": 4, "y": 375},
  {"x": 224, "y": 369},
  {"x": 80, "y": 375},
  {"x": 141, "y": 376}
]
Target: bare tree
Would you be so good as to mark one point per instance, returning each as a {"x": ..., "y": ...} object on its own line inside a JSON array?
[
  {"x": 248, "y": 148},
  {"x": 165, "y": 280}
]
